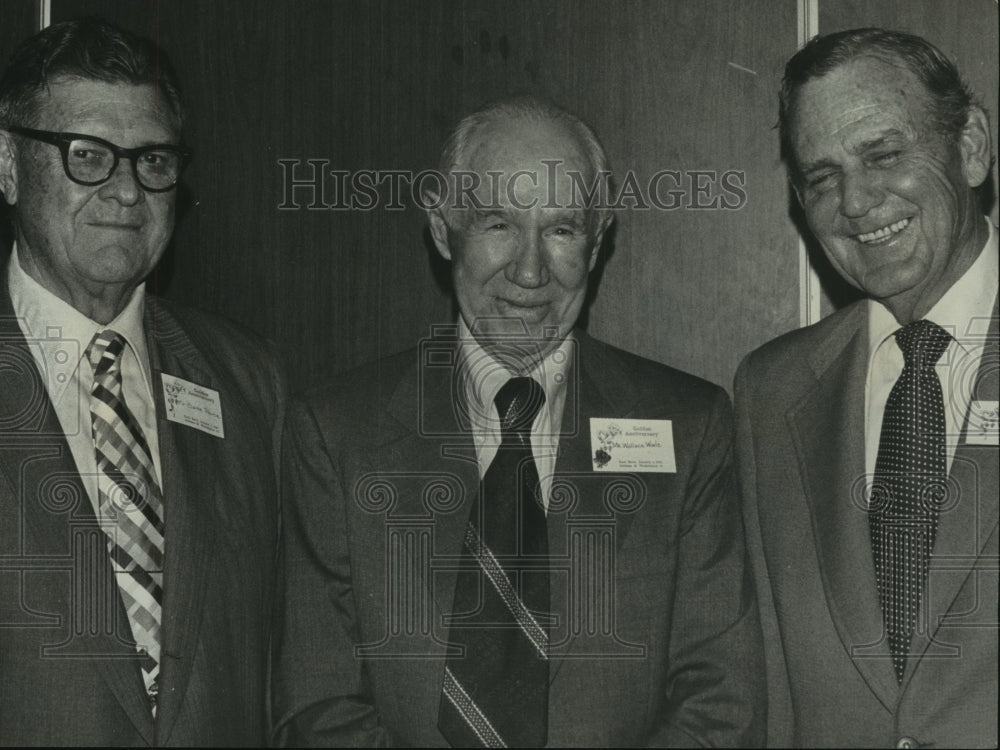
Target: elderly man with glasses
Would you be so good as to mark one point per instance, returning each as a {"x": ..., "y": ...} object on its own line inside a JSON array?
[{"x": 137, "y": 487}]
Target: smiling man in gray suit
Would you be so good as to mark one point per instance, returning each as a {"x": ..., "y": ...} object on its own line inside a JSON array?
[
  {"x": 516, "y": 534},
  {"x": 867, "y": 443},
  {"x": 138, "y": 503}
]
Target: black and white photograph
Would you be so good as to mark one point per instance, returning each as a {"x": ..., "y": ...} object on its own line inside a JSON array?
[{"x": 456, "y": 373}]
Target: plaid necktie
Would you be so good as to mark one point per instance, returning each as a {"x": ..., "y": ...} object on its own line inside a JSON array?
[
  {"x": 130, "y": 502},
  {"x": 909, "y": 484},
  {"x": 495, "y": 694}
]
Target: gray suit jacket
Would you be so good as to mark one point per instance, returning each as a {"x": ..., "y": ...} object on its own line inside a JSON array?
[
  {"x": 657, "y": 638},
  {"x": 68, "y": 674},
  {"x": 800, "y": 444}
]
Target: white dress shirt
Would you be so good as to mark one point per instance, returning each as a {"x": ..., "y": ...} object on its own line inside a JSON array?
[
  {"x": 964, "y": 311},
  {"x": 482, "y": 377},
  {"x": 58, "y": 335}
]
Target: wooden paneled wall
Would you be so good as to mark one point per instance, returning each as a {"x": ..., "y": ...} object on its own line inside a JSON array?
[
  {"x": 17, "y": 21},
  {"x": 688, "y": 85}
]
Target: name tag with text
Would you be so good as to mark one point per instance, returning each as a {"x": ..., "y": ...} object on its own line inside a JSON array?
[
  {"x": 193, "y": 405},
  {"x": 633, "y": 445},
  {"x": 984, "y": 423}
]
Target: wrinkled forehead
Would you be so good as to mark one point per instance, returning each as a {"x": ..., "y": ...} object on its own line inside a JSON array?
[
  {"x": 67, "y": 99},
  {"x": 522, "y": 162},
  {"x": 860, "y": 88},
  {"x": 511, "y": 144}
]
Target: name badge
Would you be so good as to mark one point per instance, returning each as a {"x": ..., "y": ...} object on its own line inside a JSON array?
[
  {"x": 984, "y": 423},
  {"x": 193, "y": 405},
  {"x": 633, "y": 445}
]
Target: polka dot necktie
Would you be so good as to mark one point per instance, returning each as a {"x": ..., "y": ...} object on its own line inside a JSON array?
[
  {"x": 495, "y": 694},
  {"x": 910, "y": 484}
]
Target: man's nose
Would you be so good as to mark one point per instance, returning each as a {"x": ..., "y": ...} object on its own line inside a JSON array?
[
  {"x": 528, "y": 268},
  {"x": 122, "y": 185},
  {"x": 859, "y": 193}
]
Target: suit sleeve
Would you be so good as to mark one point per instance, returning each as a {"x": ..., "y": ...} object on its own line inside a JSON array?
[
  {"x": 321, "y": 695},
  {"x": 780, "y": 725},
  {"x": 715, "y": 693}
]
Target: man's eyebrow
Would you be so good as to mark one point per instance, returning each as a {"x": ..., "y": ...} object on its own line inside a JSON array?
[
  {"x": 878, "y": 141},
  {"x": 571, "y": 216},
  {"x": 489, "y": 213},
  {"x": 817, "y": 165}
]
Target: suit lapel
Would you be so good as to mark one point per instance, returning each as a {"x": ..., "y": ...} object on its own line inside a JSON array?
[
  {"x": 965, "y": 525},
  {"x": 599, "y": 386},
  {"x": 189, "y": 490},
  {"x": 828, "y": 426},
  {"x": 25, "y": 409},
  {"x": 430, "y": 441}
]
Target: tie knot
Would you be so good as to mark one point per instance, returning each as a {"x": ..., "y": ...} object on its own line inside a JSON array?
[
  {"x": 517, "y": 404},
  {"x": 105, "y": 350},
  {"x": 922, "y": 342}
]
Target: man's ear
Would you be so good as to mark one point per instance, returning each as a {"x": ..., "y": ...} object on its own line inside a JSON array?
[
  {"x": 974, "y": 146},
  {"x": 8, "y": 167},
  {"x": 439, "y": 228}
]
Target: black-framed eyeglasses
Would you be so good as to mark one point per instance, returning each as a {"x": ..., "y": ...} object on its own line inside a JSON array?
[{"x": 89, "y": 160}]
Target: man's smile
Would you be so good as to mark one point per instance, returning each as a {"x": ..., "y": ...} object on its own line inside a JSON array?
[{"x": 883, "y": 234}]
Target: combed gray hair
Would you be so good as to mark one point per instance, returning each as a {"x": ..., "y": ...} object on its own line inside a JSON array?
[{"x": 454, "y": 154}]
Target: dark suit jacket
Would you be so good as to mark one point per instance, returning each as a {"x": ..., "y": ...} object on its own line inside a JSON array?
[
  {"x": 800, "y": 443},
  {"x": 68, "y": 674},
  {"x": 382, "y": 473}
]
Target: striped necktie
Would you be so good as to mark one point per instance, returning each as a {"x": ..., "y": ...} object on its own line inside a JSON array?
[
  {"x": 495, "y": 694},
  {"x": 130, "y": 503},
  {"x": 909, "y": 485}
]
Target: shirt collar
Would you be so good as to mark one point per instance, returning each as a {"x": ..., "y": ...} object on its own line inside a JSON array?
[
  {"x": 63, "y": 332},
  {"x": 969, "y": 298},
  {"x": 482, "y": 376}
]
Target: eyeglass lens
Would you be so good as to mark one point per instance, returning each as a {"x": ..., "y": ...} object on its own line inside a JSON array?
[{"x": 89, "y": 161}]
